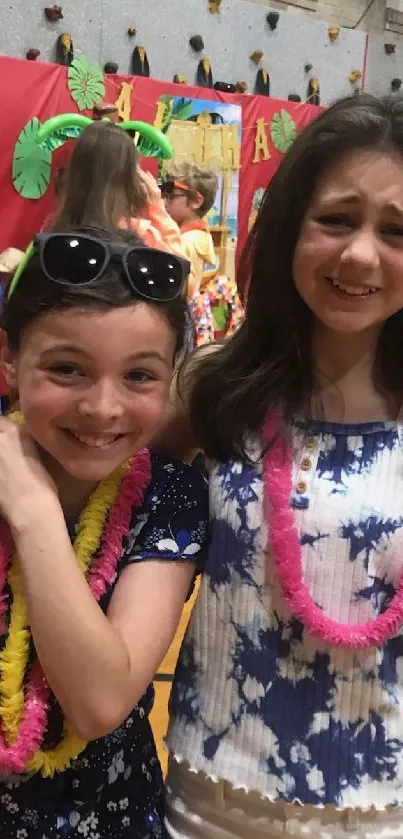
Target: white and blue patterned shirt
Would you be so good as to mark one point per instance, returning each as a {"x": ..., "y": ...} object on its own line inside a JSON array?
[{"x": 256, "y": 700}]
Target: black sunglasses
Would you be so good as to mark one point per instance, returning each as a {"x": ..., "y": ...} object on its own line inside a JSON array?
[
  {"x": 80, "y": 259},
  {"x": 169, "y": 187},
  {"x": 166, "y": 187}
]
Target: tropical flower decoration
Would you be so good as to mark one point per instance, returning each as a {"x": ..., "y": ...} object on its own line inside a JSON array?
[{"x": 32, "y": 158}]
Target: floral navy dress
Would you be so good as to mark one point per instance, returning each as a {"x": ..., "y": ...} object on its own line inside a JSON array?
[{"x": 114, "y": 790}]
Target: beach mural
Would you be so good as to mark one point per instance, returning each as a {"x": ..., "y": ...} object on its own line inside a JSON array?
[{"x": 208, "y": 133}]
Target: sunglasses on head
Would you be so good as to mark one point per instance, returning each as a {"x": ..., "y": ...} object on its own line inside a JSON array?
[{"x": 80, "y": 259}]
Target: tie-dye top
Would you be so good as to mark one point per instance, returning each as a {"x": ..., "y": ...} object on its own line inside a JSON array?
[{"x": 256, "y": 701}]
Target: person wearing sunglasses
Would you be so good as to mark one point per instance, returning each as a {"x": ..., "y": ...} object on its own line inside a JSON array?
[
  {"x": 189, "y": 193},
  {"x": 105, "y": 187},
  {"x": 99, "y": 539}
]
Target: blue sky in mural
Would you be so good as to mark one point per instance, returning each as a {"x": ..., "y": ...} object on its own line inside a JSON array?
[{"x": 231, "y": 114}]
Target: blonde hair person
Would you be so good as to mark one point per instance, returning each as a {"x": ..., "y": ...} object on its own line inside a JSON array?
[{"x": 189, "y": 192}]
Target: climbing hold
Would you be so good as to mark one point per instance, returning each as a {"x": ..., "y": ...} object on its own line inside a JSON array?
[
  {"x": 179, "y": 79},
  {"x": 33, "y": 54},
  {"x": 354, "y": 76},
  {"x": 308, "y": 68},
  {"x": 390, "y": 49},
  {"x": 313, "y": 92},
  {"x": 396, "y": 84},
  {"x": 262, "y": 83},
  {"x": 256, "y": 56},
  {"x": 197, "y": 43},
  {"x": 204, "y": 76},
  {"x": 132, "y": 31},
  {"x": 273, "y": 19},
  {"x": 53, "y": 13},
  {"x": 140, "y": 65},
  {"x": 214, "y": 6},
  {"x": 110, "y": 68},
  {"x": 64, "y": 49},
  {"x": 294, "y": 97},
  {"x": 225, "y": 87},
  {"x": 241, "y": 87},
  {"x": 334, "y": 32}
]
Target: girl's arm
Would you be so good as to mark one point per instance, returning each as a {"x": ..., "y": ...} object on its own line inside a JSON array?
[
  {"x": 159, "y": 230},
  {"x": 97, "y": 666}
]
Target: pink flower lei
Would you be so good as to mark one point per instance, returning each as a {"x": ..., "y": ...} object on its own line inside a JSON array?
[
  {"x": 287, "y": 553},
  {"x": 14, "y": 757}
]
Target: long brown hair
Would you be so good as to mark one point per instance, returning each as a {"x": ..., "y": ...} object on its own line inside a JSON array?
[
  {"x": 102, "y": 182},
  {"x": 268, "y": 363}
]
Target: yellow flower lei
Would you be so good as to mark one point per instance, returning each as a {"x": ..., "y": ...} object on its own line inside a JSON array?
[{"x": 14, "y": 657}]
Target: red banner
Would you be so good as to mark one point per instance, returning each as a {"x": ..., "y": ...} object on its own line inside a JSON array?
[
  {"x": 31, "y": 89},
  {"x": 268, "y": 129}
]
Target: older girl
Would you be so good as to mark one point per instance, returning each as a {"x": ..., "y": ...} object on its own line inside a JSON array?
[{"x": 287, "y": 716}]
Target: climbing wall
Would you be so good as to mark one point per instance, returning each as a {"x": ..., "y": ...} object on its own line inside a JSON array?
[
  {"x": 385, "y": 64},
  {"x": 231, "y": 33}
]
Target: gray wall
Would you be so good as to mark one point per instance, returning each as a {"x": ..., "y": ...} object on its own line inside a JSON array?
[
  {"x": 353, "y": 14},
  {"x": 382, "y": 68},
  {"x": 99, "y": 29}
]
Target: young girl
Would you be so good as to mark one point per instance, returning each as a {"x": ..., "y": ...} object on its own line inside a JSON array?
[
  {"x": 99, "y": 541},
  {"x": 286, "y": 711},
  {"x": 104, "y": 187}
]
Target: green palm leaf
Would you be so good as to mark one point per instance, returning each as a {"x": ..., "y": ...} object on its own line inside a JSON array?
[
  {"x": 85, "y": 82},
  {"x": 146, "y": 148},
  {"x": 168, "y": 111},
  {"x": 31, "y": 163},
  {"x": 59, "y": 137},
  {"x": 182, "y": 109},
  {"x": 283, "y": 131}
]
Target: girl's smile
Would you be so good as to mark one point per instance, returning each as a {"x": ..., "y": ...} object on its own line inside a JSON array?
[
  {"x": 348, "y": 262},
  {"x": 92, "y": 441},
  {"x": 93, "y": 385}
]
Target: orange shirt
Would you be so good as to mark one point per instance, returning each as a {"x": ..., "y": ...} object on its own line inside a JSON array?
[{"x": 159, "y": 230}]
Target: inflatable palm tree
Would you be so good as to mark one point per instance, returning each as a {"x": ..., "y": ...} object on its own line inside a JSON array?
[{"x": 32, "y": 160}]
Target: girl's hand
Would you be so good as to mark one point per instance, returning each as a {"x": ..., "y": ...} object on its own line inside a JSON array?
[
  {"x": 152, "y": 193},
  {"x": 24, "y": 482}
]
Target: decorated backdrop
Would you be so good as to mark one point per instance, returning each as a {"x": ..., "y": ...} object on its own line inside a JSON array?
[
  {"x": 208, "y": 132},
  {"x": 242, "y": 137}
]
